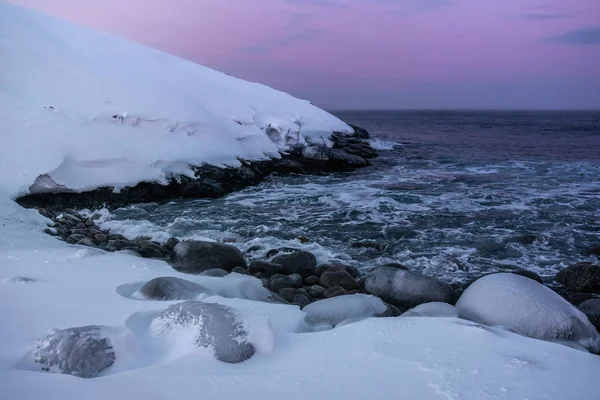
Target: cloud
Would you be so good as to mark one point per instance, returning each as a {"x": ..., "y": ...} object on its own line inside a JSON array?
[
  {"x": 542, "y": 16},
  {"x": 588, "y": 36}
]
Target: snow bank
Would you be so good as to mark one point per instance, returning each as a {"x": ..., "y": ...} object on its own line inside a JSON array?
[
  {"x": 528, "y": 308},
  {"x": 88, "y": 109}
]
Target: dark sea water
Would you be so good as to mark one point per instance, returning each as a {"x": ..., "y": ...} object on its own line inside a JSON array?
[{"x": 451, "y": 196}]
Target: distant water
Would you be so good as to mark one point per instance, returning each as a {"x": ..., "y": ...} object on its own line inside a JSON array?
[{"x": 451, "y": 196}]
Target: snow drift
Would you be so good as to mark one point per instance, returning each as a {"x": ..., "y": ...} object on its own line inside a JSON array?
[{"x": 83, "y": 109}]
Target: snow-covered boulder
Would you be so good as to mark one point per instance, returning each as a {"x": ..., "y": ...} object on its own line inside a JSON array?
[
  {"x": 527, "y": 308},
  {"x": 84, "y": 352},
  {"x": 169, "y": 288},
  {"x": 337, "y": 309},
  {"x": 195, "y": 324},
  {"x": 407, "y": 289},
  {"x": 194, "y": 257},
  {"x": 433, "y": 309},
  {"x": 580, "y": 277}
]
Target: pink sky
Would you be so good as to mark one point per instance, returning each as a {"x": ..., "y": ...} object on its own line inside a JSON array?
[{"x": 375, "y": 53}]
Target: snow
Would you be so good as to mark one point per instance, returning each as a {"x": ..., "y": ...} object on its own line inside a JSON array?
[
  {"x": 87, "y": 110},
  {"x": 336, "y": 310},
  {"x": 527, "y": 307},
  {"x": 433, "y": 309},
  {"x": 47, "y": 286}
]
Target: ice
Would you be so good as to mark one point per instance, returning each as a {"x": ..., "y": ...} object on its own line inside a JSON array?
[
  {"x": 337, "y": 309},
  {"x": 83, "y": 109},
  {"x": 526, "y": 307}
]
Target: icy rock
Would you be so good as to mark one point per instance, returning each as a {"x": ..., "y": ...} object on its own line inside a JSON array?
[
  {"x": 338, "y": 277},
  {"x": 299, "y": 262},
  {"x": 433, "y": 309},
  {"x": 196, "y": 256},
  {"x": 527, "y": 308},
  {"x": 215, "y": 327},
  {"x": 580, "y": 277},
  {"x": 337, "y": 309},
  {"x": 407, "y": 289},
  {"x": 170, "y": 288},
  {"x": 84, "y": 352}
]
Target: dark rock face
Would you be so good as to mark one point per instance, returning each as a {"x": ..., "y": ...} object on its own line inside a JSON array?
[
  {"x": 335, "y": 292},
  {"x": 407, "y": 289},
  {"x": 348, "y": 153},
  {"x": 316, "y": 291},
  {"x": 299, "y": 262},
  {"x": 266, "y": 269},
  {"x": 195, "y": 257},
  {"x": 353, "y": 271},
  {"x": 218, "y": 328},
  {"x": 591, "y": 308},
  {"x": 279, "y": 281},
  {"x": 528, "y": 274},
  {"x": 338, "y": 277},
  {"x": 311, "y": 280},
  {"x": 84, "y": 352},
  {"x": 170, "y": 288},
  {"x": 581, "y": 277}
]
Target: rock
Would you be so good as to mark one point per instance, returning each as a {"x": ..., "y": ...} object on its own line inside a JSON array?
[
  {"x": 591, "y": 308},
  {"x": 360, "y": 132},
  {"x": 392, "y": 311},
  {"x": 300, "y": 262},
  {"x": 266, "y": 269},
  {"x": 348, "y": 268},
  {"x": 116, "y": 236},
  {"x": 89, "y": 222},
  {"x": 240, "y": 270},
  {"x": 216, "y": 327},
  {"x": 101, "y": 238},
  {"x": 407, "y": 289},
  {"x": 171, "y": 243},
  {"x": 528, "y": 274},
  {"x": 311, "y": 280},
  {"x": 121, "y": 244},
  {"x": 434, "y": 309},
  {"x": 84, "y": 352},
  {"x": 527, "y": 308},
  {"x": 69, "y": 219},
  {"x": 86, "y": 242},
  {"x": 279, "y": 281},
  {"x": 581, "y": 277},
  {"x": 338, "y": 277},
  {"x": 369, "y": 245},
  {"x": 303, "y": 239},
  {"x": 396, "y": 265},
  {"x": 73, "y": 239},
  {"x": 288, "y": 294},
  {"x": 527, "y": 239},
  {"x": 316, "y": 291},
  {"x": 170, "y": 288},
  {"x": 334, "y": 292},
  {"x": 333, "y": 311},
  {"x": 594, "y": 251},
  {"x": 51, "y": 231},
  {"x": 253, "y": 249},
  {"x": 300, "y": 300},
  {"x": 150, "y": 252},
  {"x": 215, "y": 273},
  {"x": 197, "y": 256}
]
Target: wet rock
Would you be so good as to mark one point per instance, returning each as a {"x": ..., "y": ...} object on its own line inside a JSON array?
[
  {"x": 316, "y": 291},
  {"x": 288, "y": 294},
  {"x": 303, "y": 239},
  {"x": 300, "y": 262},
  {"x": 279, "y": 281},
  {"x": 311, "y": 280},
  {"x": 101, "y": 238},
  {"x": 84, "y": 352},
  {"x": 171, "y": 243},
  {"x": 527, "y": 239},
  {"x": 253, "y": 249},
  {"x": 197, "y": 256},
  {"x": 591, "y": 308},
  {"x": 150, "y": 252},
  {"x": 75, "y": 238},
  {"x": 121, "y": 244},
  {"x": 116, "y": 236},
  {"x": 528, "y": 274},
  {"x": 240, "y": 270},
  {"x": 353, "y": 271},
  {"x": 300, "y": 300},
  {"x": 266, "y": 269},
  {"x": 393, "y": 311},
  {"x": 51, "y": 231},
  {"x": 396, "y": 265},
  {"x": 407, "y": 289},
  {"x": 581, "y": 277},
  {"x": 335, "y": 291},
  {"x": 595, "y": 251},
  {"x": 338, "y": 277},
  {"x": 369, "y": 245},
  {"x": 215, "y": 273},
  {"x": 170, "y": 288}
]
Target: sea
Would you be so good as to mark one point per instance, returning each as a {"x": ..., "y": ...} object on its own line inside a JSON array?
[{"x": 453, "y": 194}]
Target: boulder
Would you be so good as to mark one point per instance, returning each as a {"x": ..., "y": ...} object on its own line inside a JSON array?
[
  {"x": 334, "y": 292},
  {"x": 311, "y": 280},
  {"x": 527, "y": 308},
  {"x": 240, "y": 270},
  {"x": 591, "y": 308},
  {"x": 299, "y": 262},
  {"x": 332, "y": 311},
  {"x": 300, "y": 300},
  {"x": 195, "y": 257},
  {"x": 316, "y": 291},
  {"x": 580, "y": 277},
  {"x": 288, "y": 294},
  {"x": 170, "y": 288},
  {"x": 279, "y": 281},
  {"x": 266, "y": 269},
  {"x": 326, "y": 267},
  {"x": 338, "y": 277},
  {"x": 528, "y": 274},
  {"x": 83, "y": 351},
  {"x": 216, "y": 327},
  {"x": 406, "y": 289},
  {"x": 150, "y": 252}
]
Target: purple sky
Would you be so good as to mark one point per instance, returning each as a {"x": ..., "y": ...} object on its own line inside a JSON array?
[{"x": 352, "y": 54}]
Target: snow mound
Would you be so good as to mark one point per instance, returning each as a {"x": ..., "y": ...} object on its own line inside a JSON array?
[
  {"x": 81, "y": 109},
  {"x": 333, "y": 311},
  {"x": 527, "y": 308},
  {"x": 433, "y": 309}
]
